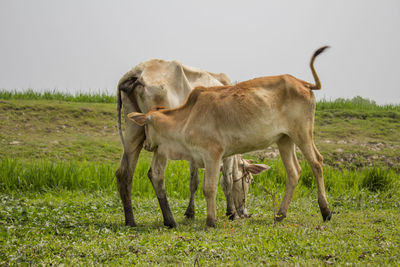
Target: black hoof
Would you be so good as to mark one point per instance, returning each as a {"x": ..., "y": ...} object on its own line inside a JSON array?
[
  {"x": 279, "y": 217},
  {"x": 130, "y": 221},
  {"x": 327, "y": 217},
  {"x": 189, "y": 215},
  {"x": 229, "y": 213},
  {"x": 210, "y": 223},
  {"x": 233, "y": 216},
  {"x": 170, "y": 224},
  {"x": 247, "y": 216},
  {"x": 131, "y": 224},
  {"x": 326, "y": 214}
]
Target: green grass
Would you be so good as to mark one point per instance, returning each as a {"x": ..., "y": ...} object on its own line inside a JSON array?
[
  {"x": 46, "y": 175},
  {"x": 356, "y": 103},
  {"x": 80, "y": 228},
  {"x": 99, "y": 97},
  {"x": 59, "y": 202}
]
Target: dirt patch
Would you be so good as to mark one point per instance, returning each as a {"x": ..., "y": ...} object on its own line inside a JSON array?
[{"x": 344, "y": 154}]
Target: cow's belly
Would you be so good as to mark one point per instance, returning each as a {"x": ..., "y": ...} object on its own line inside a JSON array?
[{"x": 176, "y": 151}]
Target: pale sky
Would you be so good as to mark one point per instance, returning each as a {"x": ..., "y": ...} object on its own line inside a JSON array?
[{"x": 81, "y": 46}]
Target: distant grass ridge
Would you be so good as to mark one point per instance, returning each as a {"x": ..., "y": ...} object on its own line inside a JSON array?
[
  {"x": 357, "y": 102},
  {"x": 99, "y": 97}
]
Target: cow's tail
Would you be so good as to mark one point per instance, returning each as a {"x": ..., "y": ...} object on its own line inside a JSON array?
[
  {"x": 317, "y": 84},
  {"x": 119, "y": 107}
]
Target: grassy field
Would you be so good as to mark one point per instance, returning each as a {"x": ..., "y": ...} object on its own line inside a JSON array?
[{"x": 59, "y": 203}]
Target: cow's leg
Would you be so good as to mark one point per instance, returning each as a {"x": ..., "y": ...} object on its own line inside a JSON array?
[
  {"x": 194, "y": 184},
  {"x": 124, "y": 174},
  {"x": 288, "y": 155},
  {"x": 210, "y": 184},
  {"x": 156, "y": 175},
  {"x": 226, "y": 184},
  {"x": 315, "y": 160}
]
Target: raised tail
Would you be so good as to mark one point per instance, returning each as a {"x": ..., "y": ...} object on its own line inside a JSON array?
[{"x": 317, "y": 85}]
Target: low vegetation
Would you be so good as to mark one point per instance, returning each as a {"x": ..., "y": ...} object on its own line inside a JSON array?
[
  {"x": 59, "y": 202},
  {"x": 100, "y": 97}
]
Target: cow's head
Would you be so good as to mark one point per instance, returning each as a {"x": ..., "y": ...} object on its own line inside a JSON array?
[
  {"x": 155, "y": 82},
  {"x": 242, "y": 177}
]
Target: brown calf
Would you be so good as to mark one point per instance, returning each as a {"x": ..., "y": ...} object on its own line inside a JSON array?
[{"x": 217, "y": 122}]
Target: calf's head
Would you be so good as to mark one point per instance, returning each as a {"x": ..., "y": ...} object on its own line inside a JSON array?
[{"x": 151, "y": 141}]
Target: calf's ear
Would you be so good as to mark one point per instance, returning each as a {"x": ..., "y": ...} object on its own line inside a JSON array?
[
  {"x": 139, "y": 118},
  {"x": 257, "y": 168}
]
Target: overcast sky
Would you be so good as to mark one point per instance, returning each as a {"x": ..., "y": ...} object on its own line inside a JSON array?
[{"x": 88, "y": 45}]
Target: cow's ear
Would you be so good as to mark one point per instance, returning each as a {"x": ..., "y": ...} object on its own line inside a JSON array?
[
  {"x": 129, "y": 85},
  {"x": 140, "y": 118},
  {"x": 156, "y": 108},
  {"x": 256, "y": 168}
]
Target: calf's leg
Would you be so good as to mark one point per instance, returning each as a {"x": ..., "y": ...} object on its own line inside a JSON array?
[
  {"x": 288, "y": 155},
  {"x": 315, "y": 160},
  {"x": 194, "y": 183},
  {"x": 156, "y": 175},
  {"x": 226, "y": 184},
  {"x": 210, "y": 184}
]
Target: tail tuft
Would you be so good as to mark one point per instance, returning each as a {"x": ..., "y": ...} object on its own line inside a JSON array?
[
  {"x": 317, "y": 85},
  {"x": 320, "y": 50}
]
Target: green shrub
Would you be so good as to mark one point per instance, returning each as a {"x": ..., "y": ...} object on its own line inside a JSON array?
[{"x": 376, "y": 179}]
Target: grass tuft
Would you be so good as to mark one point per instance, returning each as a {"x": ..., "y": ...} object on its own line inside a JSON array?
[
  {"x": 376, "y": 179},
  {"x": 44, "y": 175}
]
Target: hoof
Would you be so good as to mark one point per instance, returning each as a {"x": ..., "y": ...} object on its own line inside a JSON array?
[
  {"x": 279, "y": 217},
  {"x": 210, "y": 223},
  {"x": 131, "y": 224},
  {"x": 326, "y": 214},
  {"x": 170, "y": 224},
  {"x": 189, "y": 215},
  {"x": 327, "y": 217},
  {"x": 233, "y": 216},
  {"x": 246, "y": 216},
  {"x": 230, "y": 213},
  {"x": 208, "y": 226}
]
